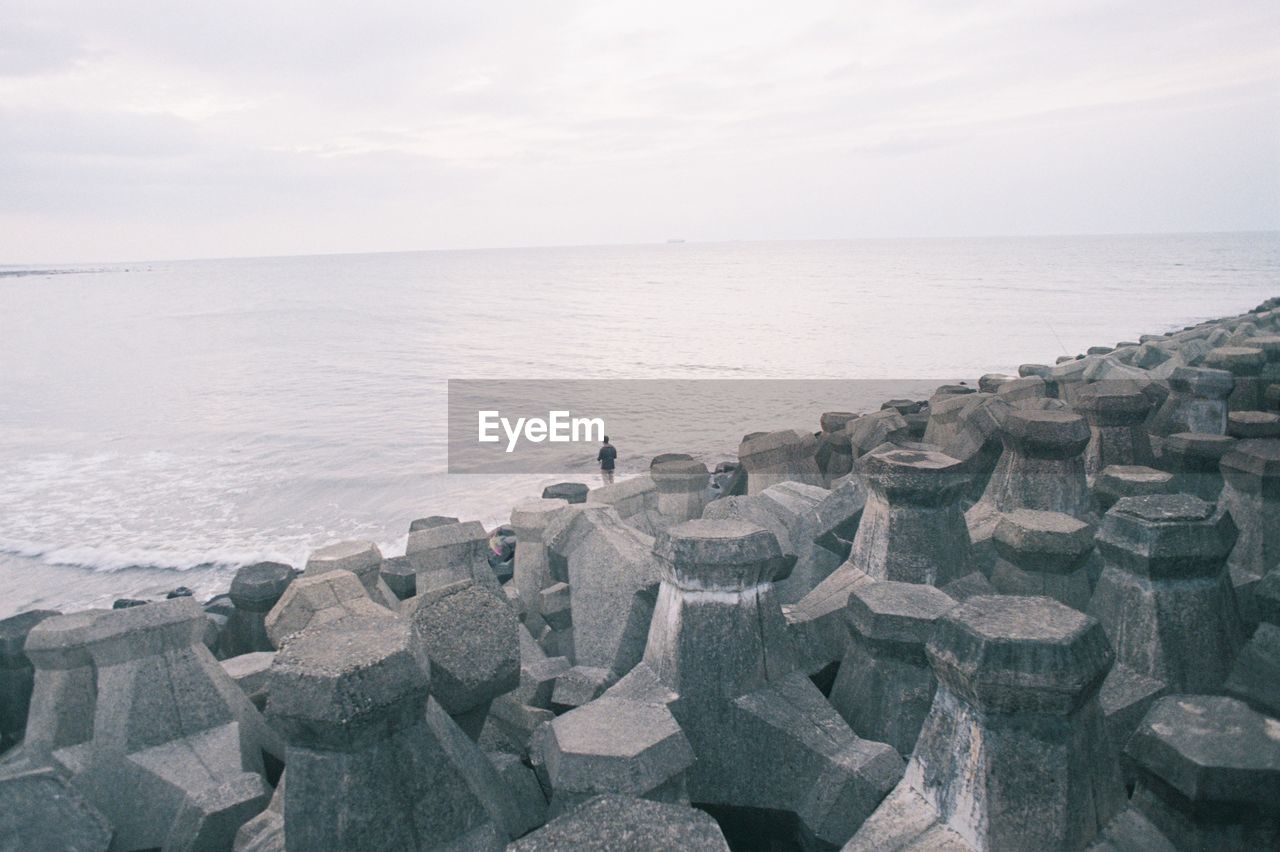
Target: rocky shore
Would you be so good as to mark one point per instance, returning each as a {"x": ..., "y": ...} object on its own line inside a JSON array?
[{"x": 1038, "y": 611}]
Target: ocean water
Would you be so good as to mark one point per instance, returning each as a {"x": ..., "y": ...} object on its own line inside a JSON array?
[{"x": 163, "y": 423}]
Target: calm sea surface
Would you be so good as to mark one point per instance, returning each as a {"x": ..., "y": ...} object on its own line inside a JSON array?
[{"x": 163, "y": 423}]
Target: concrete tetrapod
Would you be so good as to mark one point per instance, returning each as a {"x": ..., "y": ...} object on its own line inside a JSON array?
[
  {"x": 1014, "y": 753},
  {"x": 764, "y": 738}
]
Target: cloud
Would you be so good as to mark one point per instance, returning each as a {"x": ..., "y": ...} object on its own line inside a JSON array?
[{"x": 238, "y": 127}]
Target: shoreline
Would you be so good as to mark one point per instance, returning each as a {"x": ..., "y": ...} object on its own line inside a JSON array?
[{"x": 95, "y": 586}]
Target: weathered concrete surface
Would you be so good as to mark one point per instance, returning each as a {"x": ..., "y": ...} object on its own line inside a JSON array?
[
  {"x": 1252, "y": 496},
  {"x": 373, "y": 762},
  {"x": 131, "y": 706},
  {"x": 1209, "y": 778},
  {"x": 532, "y": 564},
  {"x": 884, "y": 688},
  {"x": 623, "y": 822},
  {"x": 1194, "y": 459},
  {"x": 1255, "y": 678},
  {"x": 570, "y": 492},
  {"x": 1115, "y": 482},
  {"x": 913, "y": 528},
  {"x": 789, "y": 455},
  {"x": 613, "y": 746},
  {"x": 612, "y": 576},
  {"x": 470, "y": 635},
  {"x": 1245, "y": 366},
  {"x": 718, "y": 656},
  {"x": 1197, "y": 403},
  {"x": 1014, "y": 753},
  {"x": 318, "y": 601},
  {"x": 250, "y": 672},
  {"x": 1164, "y": 596},
  {"x": 16, "y": 674},
  {"x": 1042, "y": 468},
  {"x": 362, "y": 558},
  {"x": 816, "y": 624},
  {"x": 255, "y": 590},
  {"x": 790, "y": 511},
  {"x": 447, "y": 553},
  {"x": 1043, "y": 554},
  {"x": 39, "y": 810},
  {"x": 682, "y": 488},
  {"x": 399, "y": 575},
  {"x": 1116, "y": 413}
]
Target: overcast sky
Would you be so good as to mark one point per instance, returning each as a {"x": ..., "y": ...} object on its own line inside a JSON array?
[{"x": 137, "y": 130}]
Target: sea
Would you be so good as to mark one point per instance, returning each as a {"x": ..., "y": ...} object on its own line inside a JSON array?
[{"x": 163, "y": 423}]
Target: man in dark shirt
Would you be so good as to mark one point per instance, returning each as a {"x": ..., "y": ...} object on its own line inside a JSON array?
[{"x": 606, "y": 457}]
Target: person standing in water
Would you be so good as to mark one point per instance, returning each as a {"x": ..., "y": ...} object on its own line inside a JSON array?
[{"x": 608, "y": 453}]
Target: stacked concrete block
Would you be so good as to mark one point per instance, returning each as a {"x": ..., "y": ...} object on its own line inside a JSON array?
[
  {"x": 1248, "y": 425},
  {"x": 682, "y": 488},
  {"x": 167, "y": 766},
  {"x": 1245, "y": 365},
  {"x": 976, "y": 441},
  {"x": 570, "y": 492},
  {"x": 255, "y": 590},
  {"x": 835, "y": 454},
  {"x": 790, "y": 511},
  {"x": 16, "y": 674},
  {"x": 64, "y": 691},
  {"x": 625, "y": 822},
  {"x": 249, "y": 671},
  {"x": 612, "y": 576},
  {"x": 445, "y": 554},
  {"x": 718, "y": 656},
  {"x": 1116, "y": 413},
  {"x": 1166, "y": 602},
  {"x": 1269, "y": 344},
  {"x": 399, "y": 575},
  {"x": 1043, "y": 554},
  {"x": 913, "y": 528},
  {"x": 612, "y": 746},
  {"x": 527, "y": 803},
  {"x": 1014, "y": 753},
  {"x": 374, "y": 763},
  {"x": 515, "y": 716},
  {"x": 867, "y": 433},
  {"x": 636, "y": 497},
  {"x": 1197, "y": 403},
  {"x": 532, "y": 563},
  {"x": 1252, "y": 496},
  {"x": 470, "y": 635},
  {"x": 362, "y": 558},
  {"x": 1208, "y": 778},
  {"x": 1255, "y": 678},
  {"x": 1042, "y": 468},
  {"x": 39, "y": 809},
  {"x": 316, "y": 601},
  {"x": 817, "y": 626},
  {"x": 946, "y": 416},
  {"x": 1023, "y": 392},
  {"x": 1068, "y": 378},
  {"x": 580, "y": 685},
  {"x": 837, "y": 516},
  {"x": 431, "y": 522},
  {"x": 1194, "y": 459},
  {"x": 1115, "y": 482},
  {"x": 884, "y": 688},
  {"x": 788, "y": 455}
]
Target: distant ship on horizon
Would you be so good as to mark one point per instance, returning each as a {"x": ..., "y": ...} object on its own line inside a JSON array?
[{"x": 675, "y": 241}]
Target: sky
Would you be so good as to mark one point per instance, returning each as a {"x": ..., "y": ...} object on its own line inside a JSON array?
[{"x": 149, "y": 129}]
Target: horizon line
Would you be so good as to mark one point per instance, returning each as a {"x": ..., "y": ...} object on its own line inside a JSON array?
[{"x": 37, "y": 266}]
